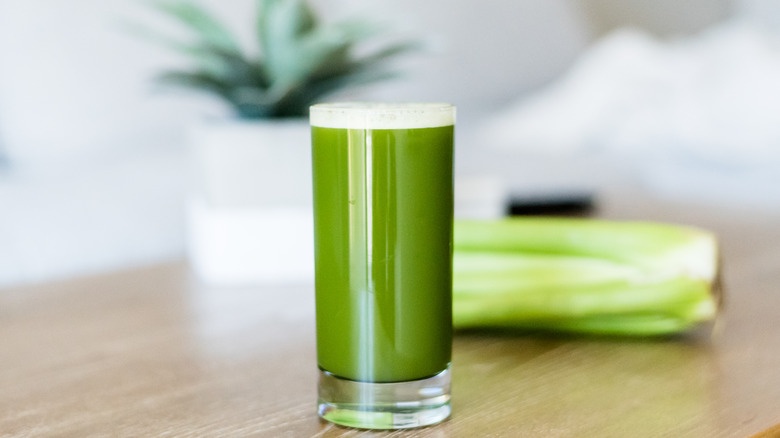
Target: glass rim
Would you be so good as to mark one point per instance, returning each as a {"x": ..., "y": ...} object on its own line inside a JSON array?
[{"x": 381, "y": 115}]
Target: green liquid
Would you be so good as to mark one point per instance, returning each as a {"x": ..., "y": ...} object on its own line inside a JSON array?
[{"x": 383, "y": 251}]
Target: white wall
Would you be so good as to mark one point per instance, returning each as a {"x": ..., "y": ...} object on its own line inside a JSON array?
[
  {"x": 766, "y": 12},
  {"x": 73, "y": 83},
  {"x": 661, "y": 17},
  {"x": 485, "y": 52}
]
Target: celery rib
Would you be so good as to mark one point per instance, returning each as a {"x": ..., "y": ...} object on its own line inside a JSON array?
[{"x": 583, "y": 275}]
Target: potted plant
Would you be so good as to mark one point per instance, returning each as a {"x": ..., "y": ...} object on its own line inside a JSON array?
[{"x": 249, "y": 218}]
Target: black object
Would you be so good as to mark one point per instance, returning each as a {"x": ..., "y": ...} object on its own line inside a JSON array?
[{"x": 552, "y": 204}]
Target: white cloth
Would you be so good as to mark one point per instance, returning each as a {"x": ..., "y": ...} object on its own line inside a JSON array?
[{"x": 699, "y": 116}]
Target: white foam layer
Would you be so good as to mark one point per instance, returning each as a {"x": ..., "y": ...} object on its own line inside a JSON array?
[{"x": 365, "y": 115}]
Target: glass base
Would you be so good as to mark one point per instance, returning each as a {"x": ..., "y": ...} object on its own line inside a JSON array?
[{"x": 397, "y": 405}]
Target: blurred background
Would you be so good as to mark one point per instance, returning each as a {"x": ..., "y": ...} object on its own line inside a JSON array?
[{"x": 675, "y": 98}]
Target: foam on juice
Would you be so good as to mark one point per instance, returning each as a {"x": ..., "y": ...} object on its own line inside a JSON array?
[{"x": 367, "y": 115}]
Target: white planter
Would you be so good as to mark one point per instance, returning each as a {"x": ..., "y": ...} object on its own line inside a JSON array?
[
  {"x": 250, "y": 217},
  {"x": 254, "y": 164}
]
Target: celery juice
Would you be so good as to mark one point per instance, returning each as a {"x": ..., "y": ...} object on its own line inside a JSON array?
[{"x": 383, "y": 248}]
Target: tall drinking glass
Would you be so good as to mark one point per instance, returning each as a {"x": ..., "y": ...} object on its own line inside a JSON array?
[{"x": 383, "y": 199}]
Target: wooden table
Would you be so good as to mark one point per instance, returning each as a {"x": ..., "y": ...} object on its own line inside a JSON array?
[{"x": 150, "y": 352}]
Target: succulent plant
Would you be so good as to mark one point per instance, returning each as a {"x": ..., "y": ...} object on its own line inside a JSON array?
[{"x": 300, "y": 59}]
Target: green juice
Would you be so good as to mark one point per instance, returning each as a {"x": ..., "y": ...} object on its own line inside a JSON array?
[{"x": 383, "y": 251}]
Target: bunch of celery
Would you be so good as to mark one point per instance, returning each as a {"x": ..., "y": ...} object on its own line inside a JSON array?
[{"x": 583, "y": 275}]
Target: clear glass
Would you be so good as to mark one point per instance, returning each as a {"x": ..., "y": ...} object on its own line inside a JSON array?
[{"x": 383, "y": 259}]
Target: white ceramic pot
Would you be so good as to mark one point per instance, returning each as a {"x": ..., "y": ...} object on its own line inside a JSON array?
[
  {"x": 254, "y": 163},
  {"x": 250, "y": 217}
]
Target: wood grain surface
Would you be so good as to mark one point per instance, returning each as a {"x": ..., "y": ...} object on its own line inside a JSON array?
[{"x": 151, "y": 352}]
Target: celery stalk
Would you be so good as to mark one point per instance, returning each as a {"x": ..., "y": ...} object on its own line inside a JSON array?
[{"x": 583, "y": 275}]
